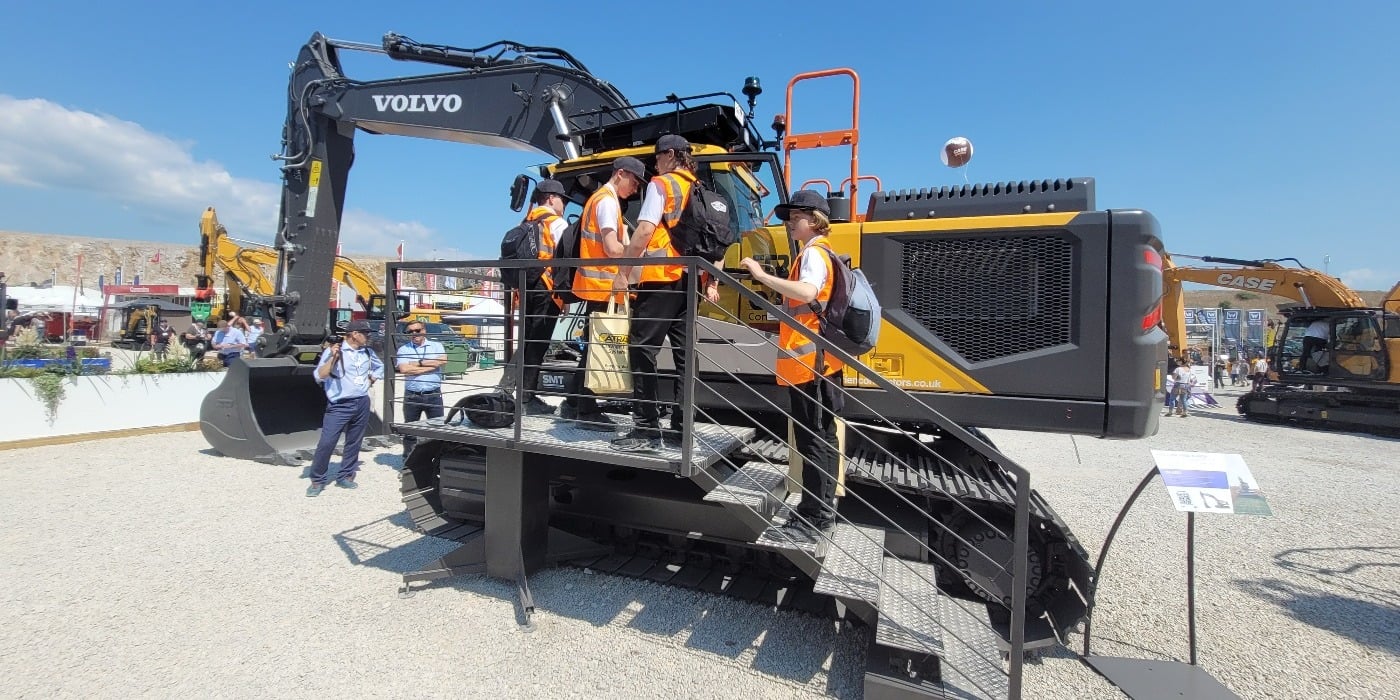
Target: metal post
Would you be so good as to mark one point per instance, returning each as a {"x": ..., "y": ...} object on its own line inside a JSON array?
[
  {"x": 1191, "y": 582},
  {"x": 1020, "y": 550},
  {"x": 519, "y": 367},
  {"x": 687, "y": 406},
  {"x": 1103, "y": 554}
]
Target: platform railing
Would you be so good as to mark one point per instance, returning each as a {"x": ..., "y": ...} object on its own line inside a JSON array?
[{"x": 515, "y": 317}]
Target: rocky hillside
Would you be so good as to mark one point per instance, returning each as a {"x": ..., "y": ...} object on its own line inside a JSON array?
[{"x": 31, "y": 257}]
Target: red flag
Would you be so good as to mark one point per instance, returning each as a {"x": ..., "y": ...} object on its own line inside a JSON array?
[
  {"x": 400, "y": 251},
  {"x": 156, "y": 259}
]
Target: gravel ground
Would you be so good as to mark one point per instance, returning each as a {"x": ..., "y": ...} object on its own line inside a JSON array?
[{"x": 153, "y": 567}]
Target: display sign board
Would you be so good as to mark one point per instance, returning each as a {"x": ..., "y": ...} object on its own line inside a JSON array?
[{"x": 1210, "y": 482}]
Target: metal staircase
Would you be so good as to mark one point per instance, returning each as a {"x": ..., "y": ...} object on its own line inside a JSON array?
[{"x": 899, "y": 597}]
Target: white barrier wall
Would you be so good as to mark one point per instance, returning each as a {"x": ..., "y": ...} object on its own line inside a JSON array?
[{"x": 104, "y": 402}]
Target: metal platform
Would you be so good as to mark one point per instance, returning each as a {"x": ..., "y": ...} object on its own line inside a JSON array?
[
  {"x": 558, "y": 437},
  {"x": 852, "y": 567}
]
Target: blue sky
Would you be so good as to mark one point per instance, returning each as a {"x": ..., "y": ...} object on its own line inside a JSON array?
[{"x": 1248, "y": 129}]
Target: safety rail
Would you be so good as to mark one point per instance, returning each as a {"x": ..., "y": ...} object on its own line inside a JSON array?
[{"x": 694, "y": 417}]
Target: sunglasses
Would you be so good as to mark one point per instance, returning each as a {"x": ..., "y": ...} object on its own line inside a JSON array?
[{"x": 417, "y": 330}]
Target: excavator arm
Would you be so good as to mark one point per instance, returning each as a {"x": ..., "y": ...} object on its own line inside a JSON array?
[
  {"x": 504, "y": 94},
  {"x": 1301, "y": 284}
]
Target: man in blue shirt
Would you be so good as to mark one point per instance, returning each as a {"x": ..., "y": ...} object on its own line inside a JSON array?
[
  {"x": 420, "y": 360},
  {"x": 346, "y": 371},
  {"x": 229, "y": 341}
]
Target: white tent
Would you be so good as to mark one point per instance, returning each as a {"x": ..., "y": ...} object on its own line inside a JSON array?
[{"x": 57, "y": 299}]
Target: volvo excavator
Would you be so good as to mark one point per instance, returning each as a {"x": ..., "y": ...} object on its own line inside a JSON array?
[
  {"x": 1334, "y": 362},
  {"x": 1018, "y": 305}
]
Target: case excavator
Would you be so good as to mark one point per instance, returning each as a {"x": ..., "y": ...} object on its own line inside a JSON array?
[
  {"x": 1018, "y": 305},
  {"x": 1333, "y": 363}
]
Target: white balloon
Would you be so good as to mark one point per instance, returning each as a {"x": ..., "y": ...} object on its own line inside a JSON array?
[{"x": 957, "y": 152}]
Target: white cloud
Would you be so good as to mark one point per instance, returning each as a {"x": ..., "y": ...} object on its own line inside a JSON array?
[
  {"x": 46, "y": 145},
  {"x": 1362, "y": 278}
]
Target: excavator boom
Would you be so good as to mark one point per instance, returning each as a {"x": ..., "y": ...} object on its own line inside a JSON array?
[
  {"x": 505, "y": 95},
  {"x": 1306, "y": 286}
]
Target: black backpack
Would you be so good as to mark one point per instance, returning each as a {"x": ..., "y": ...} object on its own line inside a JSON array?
[
  {"x": 852, "y": 317},
  {"x": 566, "y": 247},
  {"x": 490, "y": 410},
  {"x": 521, "y": 243},
  {"x": 704, "y": 229}
]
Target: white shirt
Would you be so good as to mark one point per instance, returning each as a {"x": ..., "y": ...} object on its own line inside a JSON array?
[
  {"x": 607, "y": 212},
  {"x": 1261, "y": 365},
  {"x": 811, "y": 267},
  {"x": 1184, "y": 376},
  {"x": 557, "y": 227},
  {"x": 653, "y": 204},
  {"x": 1317, "y": 329}
]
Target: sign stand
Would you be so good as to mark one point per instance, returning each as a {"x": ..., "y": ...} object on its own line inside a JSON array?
[{"x": 1195, "y": 487}]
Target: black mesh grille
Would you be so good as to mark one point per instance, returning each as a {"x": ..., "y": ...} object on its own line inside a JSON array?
[{"x": 989, "y": 298}]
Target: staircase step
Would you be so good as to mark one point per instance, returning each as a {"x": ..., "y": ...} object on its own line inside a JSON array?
[
  {"x": 853, "y": 564},
  {"x": 755, "y": 485},
  {"x": 971, "y": 666},
  {"x": 909, "y": 608},
  {"x": 776, "y": 537}
]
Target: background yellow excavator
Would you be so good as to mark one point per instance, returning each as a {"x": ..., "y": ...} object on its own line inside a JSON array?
[
  {"x": 1335, "y": 361},
  {"x": 250, "y": 268}
]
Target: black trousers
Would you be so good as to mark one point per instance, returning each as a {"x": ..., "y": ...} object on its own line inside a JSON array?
[
  {"x": 580, "y": 396},
  {"x": 415, "y": 406},
  {"x": 658, "y": 314},
  {"x": 541, "y": 315},
  {"x": 813, "y": 409}
]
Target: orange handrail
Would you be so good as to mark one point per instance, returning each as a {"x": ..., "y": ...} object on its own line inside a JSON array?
[
  {"x": 825, "y": 139},
  {"x": 879, "y": 186},
  {"x": 818, "y": 181}
]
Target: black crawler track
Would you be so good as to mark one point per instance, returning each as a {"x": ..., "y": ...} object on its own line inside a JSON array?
[{"x": 1059, "y": 568}]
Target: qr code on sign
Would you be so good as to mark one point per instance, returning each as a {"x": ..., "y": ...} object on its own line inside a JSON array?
[{"x": 1184, "y": 498}]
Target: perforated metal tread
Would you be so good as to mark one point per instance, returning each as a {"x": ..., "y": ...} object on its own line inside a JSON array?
[
  {"x": 972, "y": 666},
  {"x": 777, "y": 538},
  {"x": 752, "y": 485},
  {"x": 853, "y": 563},
  {"x": 909, "y": 608}
]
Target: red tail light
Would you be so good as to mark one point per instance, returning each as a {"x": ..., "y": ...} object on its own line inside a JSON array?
[{"x": 1151, "y": 320}]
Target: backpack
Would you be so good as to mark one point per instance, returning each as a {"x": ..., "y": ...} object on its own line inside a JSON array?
[
  {"x": 522, "y": 242},
  {"x": 490, "y": 410},
  {"x": 704, "y": 229},
  {"x": 566, "y": 247},
  {"x": 852, "y": 317}
]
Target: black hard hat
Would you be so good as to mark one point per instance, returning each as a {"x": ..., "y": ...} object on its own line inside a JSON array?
[
  {"x": 628, "y": 164},
  {"x": 550, "y": 187},
  {"x": 672, "y": 142},
  {"x": 810, "y": 200}
]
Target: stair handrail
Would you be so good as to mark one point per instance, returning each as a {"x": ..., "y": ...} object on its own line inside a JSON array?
[{"x": 1021, "y": 528}]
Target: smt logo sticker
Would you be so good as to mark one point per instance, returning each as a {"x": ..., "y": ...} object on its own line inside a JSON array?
[
  {"x": 1262, "y": 284},
  {"x": 417, "y": 103}
]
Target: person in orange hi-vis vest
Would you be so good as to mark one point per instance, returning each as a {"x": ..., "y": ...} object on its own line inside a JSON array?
[
  {"x": 602, "y": 234},
  {"x": 541, "y": 311},
  {"x": 658, "y": 313},
  {"x": 812, "y": 378}
]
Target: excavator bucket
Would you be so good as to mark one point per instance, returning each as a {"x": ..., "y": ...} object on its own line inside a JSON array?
[{"x": 267, "y": 410}]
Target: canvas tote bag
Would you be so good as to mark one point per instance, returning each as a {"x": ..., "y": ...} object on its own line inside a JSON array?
[{"x": 609, "y": 370}]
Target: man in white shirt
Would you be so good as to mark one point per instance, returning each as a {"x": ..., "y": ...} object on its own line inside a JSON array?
[
  {"x": 1315, "y": 340},
  {"x": 602, "y": 234},
  {"x": 1185, "y": 381}
]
